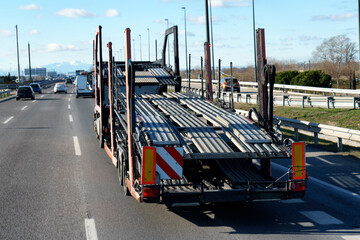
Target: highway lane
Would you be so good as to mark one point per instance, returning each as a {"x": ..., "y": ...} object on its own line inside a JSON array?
[{"x": 50, "y": 183}]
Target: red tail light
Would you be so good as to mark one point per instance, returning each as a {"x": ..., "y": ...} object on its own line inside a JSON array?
[
  {"x": 297, "y": 186},
  {"x": 151, "y": 192}
]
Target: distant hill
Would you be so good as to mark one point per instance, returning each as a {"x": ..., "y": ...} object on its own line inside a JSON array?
[{"x": 66, "y": 67}]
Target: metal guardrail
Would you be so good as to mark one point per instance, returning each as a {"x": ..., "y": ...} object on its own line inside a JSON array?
[
  {"x": 294, "y": 88},
  {"x": 330, "y": 133},
  {"x": 291, "y": 100},
  {"x": 5, "y": 93}
]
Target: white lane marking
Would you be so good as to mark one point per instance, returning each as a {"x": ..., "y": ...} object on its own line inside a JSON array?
[
  {"x": 295, "y": 200},
  {"x": 321, "y": 217},
  {"x": 42, "y": 96},
  {"x": 23, "y": 108},
  {"x": 71, "y": 118},
  {"x": 306, "y": 224},
  {"x": 324, "y": 160},
  {"x": 351, "y": 237},
  {"x": 8, "y": 120},
  {"x": 69, "y": 99},
  {"x": 77, "y": 146},
  {"x": 34, "y": 101},
  {"x": 69, "y": 106},
  {"x": 90, "y": 229}
]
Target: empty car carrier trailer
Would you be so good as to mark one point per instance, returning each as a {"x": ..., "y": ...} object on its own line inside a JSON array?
[{"x": 176, "y": 148}]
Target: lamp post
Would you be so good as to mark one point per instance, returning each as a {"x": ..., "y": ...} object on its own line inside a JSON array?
[
  {"x": 29, "y": 61},
  {"x": 187, "y": 70},
  {"x": 140, "y": 48},
  {"x": 359, "y": 33},
  {"x": 255, "y": 66},
  {"x": 212, "y": 44},
  {"x": 167, "y": 25},
  {"x": 149, "y": 42},
  {"x": 17, "y": 47}
]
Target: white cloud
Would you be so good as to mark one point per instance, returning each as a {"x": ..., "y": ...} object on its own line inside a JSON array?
[
  {"x": 34, "y": 31},
  {"x": 74, "y": 13},
  {"x": 197, "y": 20},
  {"x": 5, "y": 33},
  {"x": 229, "y": 3},
  {"x": 337, "y": 17},
  {"x": 189, "y": 34},
  {"x": 55, "y": 47},
  {"x": 73, "y": 63},
  {"x": 112, "y": 13},
  {"x": 201, "y": 19},
  {"x": 30, "y": 7}
]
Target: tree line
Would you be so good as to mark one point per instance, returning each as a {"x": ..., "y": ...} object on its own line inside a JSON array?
[{"x": 333, "y": 64}]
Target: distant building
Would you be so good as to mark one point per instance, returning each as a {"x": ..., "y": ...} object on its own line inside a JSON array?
[
  {"x": 35, "y": 72},
  {"x": 52, "y": 74}
]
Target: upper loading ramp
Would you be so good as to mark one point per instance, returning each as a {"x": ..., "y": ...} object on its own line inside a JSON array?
[{"x": 147, "y": 73}]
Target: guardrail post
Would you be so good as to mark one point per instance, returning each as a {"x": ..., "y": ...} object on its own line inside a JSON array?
[
  {"x": 340, "y": 145},
  {"x": 316, "y": 138},
  {"x": 238, "y": 97},
  {"x": 296, "y": 134},
  {"x": 303, "y": 102}
]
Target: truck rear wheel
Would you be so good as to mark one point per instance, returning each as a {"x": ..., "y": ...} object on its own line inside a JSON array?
[
  {"x": 126, "y": 190},
  {"x": 120, "y": 171},
  {"x": 101, "y": 140}
]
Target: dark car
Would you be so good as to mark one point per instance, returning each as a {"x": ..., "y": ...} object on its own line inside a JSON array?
[
  {"x": 225, "y": 84},
  {"x": 25, "y": 92},
  {"x": 68, "y": 81},
  {"x": 36, "y": 87}
]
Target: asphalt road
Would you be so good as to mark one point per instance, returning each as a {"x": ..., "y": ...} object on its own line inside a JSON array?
[{"x": 56, "y": 183}]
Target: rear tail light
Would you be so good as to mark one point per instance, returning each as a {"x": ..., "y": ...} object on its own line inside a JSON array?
[
  {"x": 151, "y": 192},
  {"x": 297, "y": 186}
]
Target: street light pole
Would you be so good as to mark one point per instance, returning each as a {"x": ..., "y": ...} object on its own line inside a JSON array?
[
  {"x": 29, "y": 61},
  {"x": 140, "y": 48},
  {"x": 17, "y": 47},
  {"x": 149, "y": 41},
  {"x": 359, "y": 33},
  {"x": 187, "y": 70},
  {"x": 212, "y": 44},
  {"x": 255, "y": 66}
]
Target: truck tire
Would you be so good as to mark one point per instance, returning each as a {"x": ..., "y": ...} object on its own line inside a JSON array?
[
  {"x": 126, "y": 190},
  {"x": 101, "y": 140},
  {"x": 120, "y": 171}
]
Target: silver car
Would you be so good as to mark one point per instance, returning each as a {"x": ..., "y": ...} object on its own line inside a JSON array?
[{"x": 60, "y": 87}]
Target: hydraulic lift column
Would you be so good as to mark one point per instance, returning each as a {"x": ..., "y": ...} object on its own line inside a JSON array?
[{"x": 262, "y": 91}]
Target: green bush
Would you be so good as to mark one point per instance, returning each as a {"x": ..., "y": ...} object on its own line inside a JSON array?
[
  {"x": 285, "y": 77},
  {"x": 313, "y": 78}
]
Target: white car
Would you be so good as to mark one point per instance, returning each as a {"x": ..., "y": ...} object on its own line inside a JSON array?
[{"x": 60, "y": 87}]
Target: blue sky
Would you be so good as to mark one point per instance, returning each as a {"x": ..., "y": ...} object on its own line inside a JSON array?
[{"x": 62, "y": 31}]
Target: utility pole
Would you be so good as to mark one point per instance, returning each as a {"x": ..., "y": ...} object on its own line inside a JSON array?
[
  {"x": 149, "y": 41},
  {"x": 140, "y": 48},
  {"x": 187, "y": 70},
  {"x": 155, "y": 50},
  {"x": 255, "y": 65},
  {"x": 29, "y": 61},
  {"x": 212, "y": 44},
  {"x": 17, "y": 47},
  {"x": 359, "y": 33}
]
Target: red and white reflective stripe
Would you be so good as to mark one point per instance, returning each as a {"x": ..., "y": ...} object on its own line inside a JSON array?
[{"x": 169, "y": 162}]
